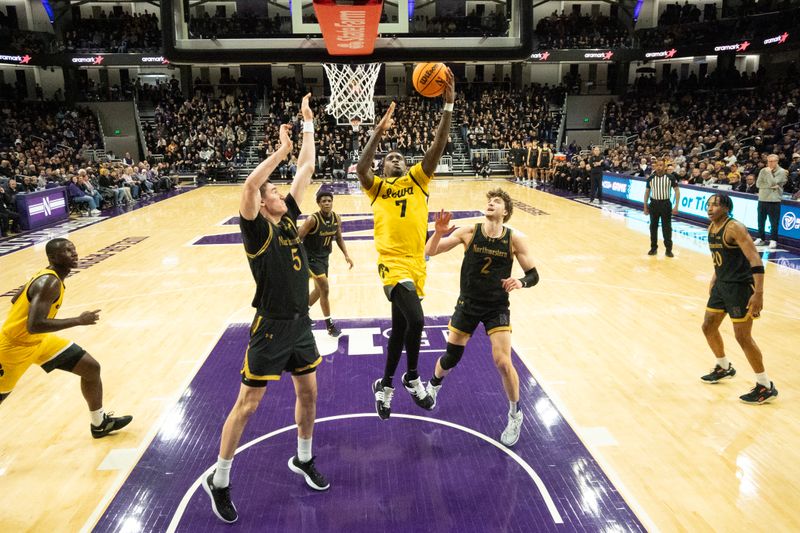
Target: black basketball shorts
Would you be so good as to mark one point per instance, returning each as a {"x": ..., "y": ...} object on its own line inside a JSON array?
[
  {"x": 468, "y": 314},
  {"x": 278, "y": 346}
]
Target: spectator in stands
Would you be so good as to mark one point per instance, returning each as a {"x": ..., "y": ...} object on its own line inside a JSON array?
[
  {"x": 643, "y": 170},
  {"x": 88, "y": 188},
  {"x": 748, "y": 185},
  {"x": 77, "y": 196},
  {"x": 9, "y": 218}
]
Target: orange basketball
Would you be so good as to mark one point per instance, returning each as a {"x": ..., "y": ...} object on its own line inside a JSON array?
[{"x": 430, "y": 79}]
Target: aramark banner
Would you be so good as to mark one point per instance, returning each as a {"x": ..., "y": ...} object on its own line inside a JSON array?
[
  {"x": 83, "y": 60},
  {"x": 695, "y": 199},
  {"x": 777, "y": 42}
]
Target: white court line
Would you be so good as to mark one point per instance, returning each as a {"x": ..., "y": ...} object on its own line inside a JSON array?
[
  {"x": 551, "y": 506},
  {"x": 605, "y": 465},
  {"x": 124, "y": 473}
]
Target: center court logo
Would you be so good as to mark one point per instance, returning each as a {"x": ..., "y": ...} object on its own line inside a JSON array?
[{"x": 790, "y": 221}]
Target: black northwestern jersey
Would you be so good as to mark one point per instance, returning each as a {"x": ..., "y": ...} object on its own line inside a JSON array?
[
  {"x": 319, "y": 242},
  {"x": 278, "y": 263},
  {"x": 730, "y": 263},
  {"x": 533, "y": 157},
  {"x": 517, "y": 157},
  {"x": 546, "y": 157},
  {"x": 487, "y": 262}
]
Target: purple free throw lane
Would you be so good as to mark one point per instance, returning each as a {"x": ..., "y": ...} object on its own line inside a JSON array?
[{"x": 400, "y": 474}]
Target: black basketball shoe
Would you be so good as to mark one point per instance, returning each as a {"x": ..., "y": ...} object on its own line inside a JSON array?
[
  {"x": 719, "y": 373},
  {"x": 383, "y": 399},
  {"x": 417, "y": 391},
  {"x": 314, "y": 479},
  {"x": 221, "y": 502},
  {"x": 760, "y": 394},
  {"x": 333, "y": 330},
  {"x": 109, "y": 424}
]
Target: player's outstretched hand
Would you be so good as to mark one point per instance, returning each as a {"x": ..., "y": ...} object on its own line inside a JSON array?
[
  {"x": 387, "y": 121},
  {"x": 509, "y": 284},
  {"x": 450, "y": 87},
  {"x": 87, "y": 318},
  {"x": 286, "y": 140},
  {"x": 442, "y": 226},
  {"x": 305, "y": 108}
]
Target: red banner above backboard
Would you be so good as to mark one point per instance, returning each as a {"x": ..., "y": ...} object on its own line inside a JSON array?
[{"x": 349, "y": 27}]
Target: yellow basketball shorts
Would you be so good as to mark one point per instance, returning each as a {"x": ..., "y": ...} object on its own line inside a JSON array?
[
  {"x": 406, "y": 270},
  {"x": 50, "y": 353}
]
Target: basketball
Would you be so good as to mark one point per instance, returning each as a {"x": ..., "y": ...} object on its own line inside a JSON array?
[{"x": 430, "y": 79}]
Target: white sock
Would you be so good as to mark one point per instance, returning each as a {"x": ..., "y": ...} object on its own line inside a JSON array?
[
  {"x": 512, "y": 408},
  {"x": 303, "y": 450},
  {"x": 222, "y": 475},
  {"x": 97, "y": 416},
  {"x": 762, "y": 379},
  {"x": 723, "y": 362}
]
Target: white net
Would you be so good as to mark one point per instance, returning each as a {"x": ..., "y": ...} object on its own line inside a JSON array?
[{"x": 352, "y": 92}]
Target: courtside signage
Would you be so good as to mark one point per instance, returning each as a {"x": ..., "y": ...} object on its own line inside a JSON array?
[
  {"x": 790, "y": 220},
  {"x": 694, "y": 202}
]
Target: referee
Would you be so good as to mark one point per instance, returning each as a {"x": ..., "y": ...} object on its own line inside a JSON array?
[{"x": 657, "y": 204}]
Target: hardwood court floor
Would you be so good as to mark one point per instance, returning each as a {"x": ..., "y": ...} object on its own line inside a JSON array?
[{"x": 611, "y": 334}]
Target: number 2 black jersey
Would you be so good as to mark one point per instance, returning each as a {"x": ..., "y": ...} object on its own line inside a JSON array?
[{"x": 487, "y": 261}]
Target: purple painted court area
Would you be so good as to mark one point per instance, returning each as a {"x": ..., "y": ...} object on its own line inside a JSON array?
[{"x": 404, "y": 474}]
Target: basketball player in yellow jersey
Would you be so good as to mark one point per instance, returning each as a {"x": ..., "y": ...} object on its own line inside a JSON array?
[
  {"x": 26, "y": 337},
  {"x": 399, "y": 202}
]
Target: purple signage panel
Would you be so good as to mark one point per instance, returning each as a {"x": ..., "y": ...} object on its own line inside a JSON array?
[{"x": 40, "y": 208}]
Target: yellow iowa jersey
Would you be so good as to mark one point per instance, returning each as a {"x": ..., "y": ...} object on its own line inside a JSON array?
[
  {"x": 400, "y": 207},
  {"x": 15, "y": 327}
]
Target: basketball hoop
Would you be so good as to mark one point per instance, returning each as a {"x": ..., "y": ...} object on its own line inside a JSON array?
[{"x": 352, "y": 92}]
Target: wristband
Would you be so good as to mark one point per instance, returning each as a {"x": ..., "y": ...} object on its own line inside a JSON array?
[
  {"x": 530, "y": 279},
  {"x": 757, "y": 269},
  {"x": 308, "y": 126},
  {"x": 448, "y": 106}
]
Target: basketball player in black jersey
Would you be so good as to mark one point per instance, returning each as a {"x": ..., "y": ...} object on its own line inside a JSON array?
[
  {"x": 545, "y": 164},
  {"x": 280, "y": 336},
  {"x": 532, "y": 160},
  {"x": 737, "y": 289},
  {"x": 318, "y": 233},
  {"x": 490, "y": 248},
  {"x": 516, "y": 157}
]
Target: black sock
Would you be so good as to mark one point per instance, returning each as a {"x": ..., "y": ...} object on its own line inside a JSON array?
[
  {"x": 436, "y": 381},
  {"x": 386, "y": 382},
  {"x": 412, "y": 374},
  {"x": 328, "y": 322}
]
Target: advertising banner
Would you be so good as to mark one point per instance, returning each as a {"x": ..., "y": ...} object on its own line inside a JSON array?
[{"x": 694, "y": 201}]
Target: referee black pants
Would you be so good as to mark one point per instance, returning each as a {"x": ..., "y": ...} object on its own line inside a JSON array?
[{"x": 661, "y": 210}]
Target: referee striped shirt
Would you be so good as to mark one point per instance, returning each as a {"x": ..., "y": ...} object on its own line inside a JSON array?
[{"x": 660, "y": 186}]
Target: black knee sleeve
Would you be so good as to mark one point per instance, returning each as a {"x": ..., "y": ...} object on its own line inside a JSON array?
[{"x": 452, "y": 356}]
